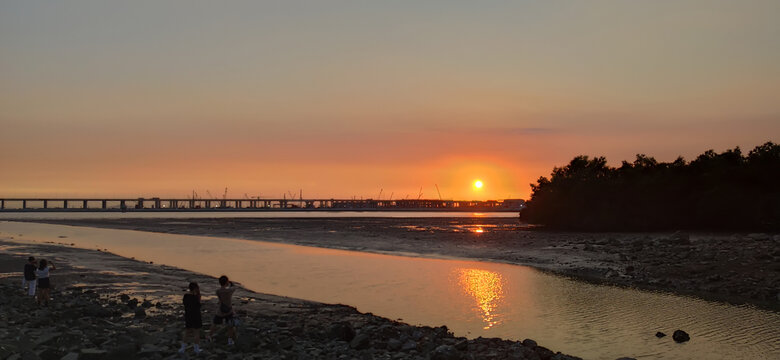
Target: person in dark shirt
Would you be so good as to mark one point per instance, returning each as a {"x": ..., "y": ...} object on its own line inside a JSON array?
[
  {"x": 29, "y": 280},
  {"x": 192, "y": 320}
]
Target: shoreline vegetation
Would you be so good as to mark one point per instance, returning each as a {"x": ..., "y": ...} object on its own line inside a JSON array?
[
  {"x": 714, "y": 192},
  {"x": 739, "y": 268},
  {"x": 109, "y": 307}
]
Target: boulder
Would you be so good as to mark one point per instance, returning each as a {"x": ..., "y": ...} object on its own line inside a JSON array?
[
  {"x": 140, "y": 313},
  {"x": 409, "y": 345},
  {"x": 445, "y": 352},
  {"x": 92, "y": 354},
  {"x": 680, "y": 336},
  {"x": 394, "y": 344},
  {"x": 361, "y": 341},
  {"x": 70, "y": 356},
  {"x": 341, "y": 331},
  {"x": 146, "y": 304},
  {"x": 659, "y": 334},
  {"x": 529, "y": 343},
  {"x": 132, "y": 303}
]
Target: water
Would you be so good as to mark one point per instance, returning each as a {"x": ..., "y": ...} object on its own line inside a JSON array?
[{"x": 472, "y": 298}]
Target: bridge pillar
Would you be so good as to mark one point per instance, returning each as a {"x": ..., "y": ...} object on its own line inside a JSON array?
[
  {"x": 173, "y": 204},
  {"x": 208, "y": 204},
  {"x": 192, "y": 204},
  {"x": 24, "y": 204},
  {"x": 85, "y": 204},
  {"x": 104, "y": 204},
  {"x": 64, "y": 204},
  {"x": 45, "y": 204}
]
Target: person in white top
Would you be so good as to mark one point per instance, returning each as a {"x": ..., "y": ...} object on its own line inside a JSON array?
[{"x": 44, "y": 286}]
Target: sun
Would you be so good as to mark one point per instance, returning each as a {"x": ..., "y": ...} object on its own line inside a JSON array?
[{"x": 478, "y": 184}]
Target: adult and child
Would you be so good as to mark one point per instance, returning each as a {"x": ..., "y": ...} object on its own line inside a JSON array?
[
  {"x": 36, "y": 280},
  {"x": 224, "y": 314}
]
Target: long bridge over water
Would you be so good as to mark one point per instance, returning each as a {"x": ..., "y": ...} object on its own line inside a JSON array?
[{"x": 249, "y": 204}]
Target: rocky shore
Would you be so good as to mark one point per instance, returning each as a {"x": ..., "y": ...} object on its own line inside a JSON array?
[
  {"x": 108, "y": 307},
  {"x": 738, "y": 268}
]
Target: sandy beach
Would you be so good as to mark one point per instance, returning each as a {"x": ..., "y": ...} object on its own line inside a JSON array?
[
  {"x": 737, "y": 268},
  {"x": 109, "y": 307}
]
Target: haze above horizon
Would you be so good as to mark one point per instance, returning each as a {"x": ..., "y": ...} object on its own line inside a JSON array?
[{"x": 343, "y": 99}]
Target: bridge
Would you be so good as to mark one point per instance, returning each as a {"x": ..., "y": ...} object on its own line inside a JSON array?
[{"x": 249, "y": 204}]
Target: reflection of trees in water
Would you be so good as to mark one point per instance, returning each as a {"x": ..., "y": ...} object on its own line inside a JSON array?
[{"x": 487, "y": 288}]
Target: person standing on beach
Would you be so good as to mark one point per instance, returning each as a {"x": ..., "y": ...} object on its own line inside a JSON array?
[
  {"x": 44, "y": 286},
  {"x": 225, "y": 312},
  {"x": 192, "y": 320},
  {"x": 28, "y": 281}
]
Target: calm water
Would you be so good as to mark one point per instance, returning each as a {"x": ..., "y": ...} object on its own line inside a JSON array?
[{"x": 472, "y": 298}]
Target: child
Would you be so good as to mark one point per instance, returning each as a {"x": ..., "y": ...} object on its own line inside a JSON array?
[
  {"x": 29, "y": 281},
  {"x": 44, "y": 286},
  {"x": 192, "y": 319}
]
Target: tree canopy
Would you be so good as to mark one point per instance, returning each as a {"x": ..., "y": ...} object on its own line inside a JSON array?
[{"x": 726, "y": 191}]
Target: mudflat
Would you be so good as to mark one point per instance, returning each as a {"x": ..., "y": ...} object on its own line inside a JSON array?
[
  {"x": 109, "y": 307},
  {"x": 741, "y": 268}
]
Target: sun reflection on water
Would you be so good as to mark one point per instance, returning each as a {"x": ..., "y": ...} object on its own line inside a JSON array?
[{"x": 487, "y": 288}]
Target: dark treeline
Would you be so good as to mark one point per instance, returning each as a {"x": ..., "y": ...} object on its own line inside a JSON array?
[{"x": 726, "y": 191}]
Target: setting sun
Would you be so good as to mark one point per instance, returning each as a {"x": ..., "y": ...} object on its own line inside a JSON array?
[{"x": 478, "y": 184}]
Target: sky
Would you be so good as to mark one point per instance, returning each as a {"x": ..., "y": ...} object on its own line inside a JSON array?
[{"x": 343, "y": 99}]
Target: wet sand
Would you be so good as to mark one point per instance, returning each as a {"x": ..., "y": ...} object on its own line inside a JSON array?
[
  {"x": 738, "y": 268},
  {"x": 109, "y": 307}
]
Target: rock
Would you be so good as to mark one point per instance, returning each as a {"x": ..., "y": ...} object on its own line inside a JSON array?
[
  {"x": 680, "y": 238},
  {"x": 342, "y": 331},
  {"x": 124, "y": 298},
  {"x": 445, "y": 352},
  {"x": 759, "y": 237},
  {"x": 92, "y": 354},
  {"x": 361, "y": 341},
  {"x": 543, "y": 352},
  {"x": 132, "y": 303},
  {"x": 125, "y": 350},
  {"x": 70, "y": 356},
  {"x": 659, "y": 334},
  {"x": 146, "y": 304},
  {"x": 409, "y": 345},
  {"x": 529, "y": 343},
  {"x": 680, "y": 336},
  {"x": 140, "y": 313},
  {"x": 394, "y": 344}
]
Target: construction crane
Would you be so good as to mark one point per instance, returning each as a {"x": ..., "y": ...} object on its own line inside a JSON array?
[
  {"x": 224, "y": 195},
  {"x": 437, "y": 190},
  {"x": 209, "y": 194},
  {"x": 380, "y": 194},
  {"x": 420, "y": 194}
]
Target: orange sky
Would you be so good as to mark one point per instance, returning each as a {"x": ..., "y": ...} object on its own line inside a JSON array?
[{"x": 347, "y": 99}]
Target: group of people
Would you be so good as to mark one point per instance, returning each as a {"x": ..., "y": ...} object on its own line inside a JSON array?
[
  {"x": 223, "y": 315},
  {"x": 36, "y": 279},
  {"x": 36, "y": 283}
]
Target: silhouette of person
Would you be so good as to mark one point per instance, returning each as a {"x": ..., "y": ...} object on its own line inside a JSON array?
[
  {"x": 29, "y": 279},
  {"x": 192, "y": 319},
  {"x": 44, "y": 286},
  {"x": 225, "y": 312}
]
